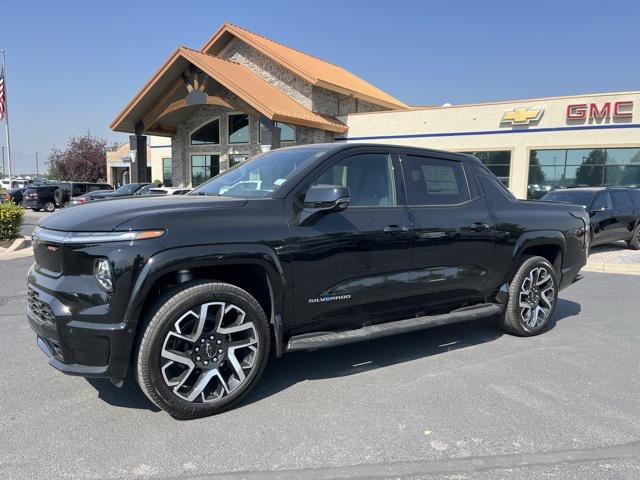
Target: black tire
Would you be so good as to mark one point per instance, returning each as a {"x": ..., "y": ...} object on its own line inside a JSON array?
[
  {"x": 634, "y": 243},
  {"x": 161, "y": 323},
  {"x": 515, "y": 316},
  {"x": 36, "y": 209},
  {"x": 49, "y": 207},
  {"x": 57, "y": 196}
]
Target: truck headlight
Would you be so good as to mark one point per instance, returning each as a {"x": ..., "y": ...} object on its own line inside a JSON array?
[{"x": 102, "y": 274}]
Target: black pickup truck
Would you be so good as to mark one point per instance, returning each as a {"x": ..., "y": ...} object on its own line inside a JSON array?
[{"x": 300, "y": 248}]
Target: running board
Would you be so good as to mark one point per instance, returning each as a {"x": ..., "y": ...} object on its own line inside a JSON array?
[{"x": 333, "y": 339}]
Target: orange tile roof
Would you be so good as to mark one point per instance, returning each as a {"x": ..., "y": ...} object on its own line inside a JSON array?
[
  {"x": 257, "y": 92},
  {"x": 316, "y": 71},
  {"x": 260, "y": 94}
]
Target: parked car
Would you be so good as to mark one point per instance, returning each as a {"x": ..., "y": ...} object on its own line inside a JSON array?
[
  {"x": 614, "y": 212},
  {"x": 168, "y": 191},
  {"x": 14, "y": 195},
  {"x": 339, "y": 243},
  {"x": 7, "y": 184},
  {"x": 88, "y": 197},
  {"x": 76, "y": 189},
  {"x": 123, "y": 191},
  {"x": 42, "y": 197}
]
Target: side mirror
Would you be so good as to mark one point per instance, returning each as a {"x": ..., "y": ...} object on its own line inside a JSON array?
[
  {"x": 323, "y": 198},
  {"x": 598, "y": 209}
]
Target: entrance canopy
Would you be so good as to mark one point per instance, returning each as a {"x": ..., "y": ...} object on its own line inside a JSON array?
[{"x": 189, "y": 79}]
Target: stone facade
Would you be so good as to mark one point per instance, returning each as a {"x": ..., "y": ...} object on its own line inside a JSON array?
[{"x": 317, "y": 99}]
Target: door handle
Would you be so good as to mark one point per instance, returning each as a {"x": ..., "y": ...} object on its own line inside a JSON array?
[
  {"x": 395, "y": 229},
  {"x": 479, "y": 226}
]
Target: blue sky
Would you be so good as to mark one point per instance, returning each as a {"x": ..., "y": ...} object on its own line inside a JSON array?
[{"x": 74, "y": 64}]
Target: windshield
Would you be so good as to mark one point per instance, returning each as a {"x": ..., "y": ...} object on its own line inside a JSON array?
[
  {"x": 127, "y": 189},
  {"x": 260, "y": 176},
  {"x": 579, "y": 198}
]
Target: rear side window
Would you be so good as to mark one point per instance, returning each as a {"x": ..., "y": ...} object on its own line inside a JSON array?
[
  {"x": 79, "y": 189},
  {"x": 432, "y": 181},
  {"x": 635, "y": 196},
  {"x": 621, "y": 199}
]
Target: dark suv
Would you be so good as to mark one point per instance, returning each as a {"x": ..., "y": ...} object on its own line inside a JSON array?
[
  {"x": 40, "y": 197},
  {"x": 614, "y": 212},
  {"x": 299, "y": 248}
]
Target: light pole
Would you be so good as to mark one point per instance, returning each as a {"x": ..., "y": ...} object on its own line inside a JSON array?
[{"x": 37, "y": 172}]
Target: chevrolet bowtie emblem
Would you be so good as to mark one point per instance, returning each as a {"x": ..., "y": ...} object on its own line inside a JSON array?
[{"x": 522, "y": 115}]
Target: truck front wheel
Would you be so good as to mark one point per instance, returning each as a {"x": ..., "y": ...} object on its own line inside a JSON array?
[
  {"x": 204, "y": 346},
  {"x": 533, "y": 294}
]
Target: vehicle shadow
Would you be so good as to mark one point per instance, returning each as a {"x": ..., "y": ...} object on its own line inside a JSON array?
[
  {"x": 346, "y": 360},
  {"x": 127, "y": 396},
  {"x": 380, "y": 353}
]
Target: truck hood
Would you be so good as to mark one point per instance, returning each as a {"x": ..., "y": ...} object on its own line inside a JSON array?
[{"x": 106, "y": 216}]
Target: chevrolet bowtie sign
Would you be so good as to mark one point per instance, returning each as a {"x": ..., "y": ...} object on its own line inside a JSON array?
[{"x": 522, "y": 116}]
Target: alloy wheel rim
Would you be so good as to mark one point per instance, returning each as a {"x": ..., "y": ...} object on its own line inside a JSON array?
[
  {"x": 209, "y": 352},
  {"x": 536, "y": 297}
]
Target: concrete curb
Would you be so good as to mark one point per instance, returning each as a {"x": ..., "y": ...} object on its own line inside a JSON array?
[
  {"x": 21, "y": 247},
  {"x": 625, "y": 268}
]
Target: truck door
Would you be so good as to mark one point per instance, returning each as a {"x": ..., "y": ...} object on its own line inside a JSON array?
[
  {"x": 350, "y": 267},
  {"x": 452, "y": 244},
  {"x": 626, "y": 214}
]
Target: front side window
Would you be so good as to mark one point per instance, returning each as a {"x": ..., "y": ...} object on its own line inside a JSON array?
[
  {"x": 432, "y": 181},
  {"x": 603, "y": 201},
  {"x": 239, "y": 128},
  {"x": 167, "y": 172},
  {"x": 207, "y": 135},
  {"x": 260, "y": 176},
  {"x": 204, "y": 167},
  {"x": 369, "y": 177}
]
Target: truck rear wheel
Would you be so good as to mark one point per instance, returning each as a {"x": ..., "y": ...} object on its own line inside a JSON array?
[
  {"x": 204, "y": 347},
  {"x": 634, "y": 243},
  {"x": 533, "y": 294}
]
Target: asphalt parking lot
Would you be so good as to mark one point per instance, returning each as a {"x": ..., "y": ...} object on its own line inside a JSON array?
[
  {"x": 461, "y": 401},
  {"x": 30, "y": 220}
]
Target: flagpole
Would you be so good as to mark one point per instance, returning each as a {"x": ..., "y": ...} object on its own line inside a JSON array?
[{"x": 6, "y": 117}]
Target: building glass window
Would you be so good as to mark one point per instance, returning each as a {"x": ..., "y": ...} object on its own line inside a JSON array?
[
  {"x": 239, "y": 128},
  {"x": 207, "y": 135},
  {"x": 167, "y": 172},
  {"x": 287, "y": 132},
  {"x": 499, "y": 162},
  {"x": 235, "y": 159},
  {"x": 204, "y": 167},
  {"x": 580, "y": 167}
]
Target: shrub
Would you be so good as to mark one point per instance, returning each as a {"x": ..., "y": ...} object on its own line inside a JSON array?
[{"x": 10, "y": 220}]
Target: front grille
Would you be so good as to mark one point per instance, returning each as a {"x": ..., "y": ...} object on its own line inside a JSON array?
[{"x": 39, "y": 309}]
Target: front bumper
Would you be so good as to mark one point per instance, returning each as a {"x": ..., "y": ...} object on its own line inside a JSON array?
[{"x": 70, "y": 335}]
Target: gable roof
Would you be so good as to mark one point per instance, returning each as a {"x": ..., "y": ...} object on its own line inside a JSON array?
[
  {"x": 252, "y": 89},
  {"x": 314, "y": 70},
  {"x": 260, "y": 94}
]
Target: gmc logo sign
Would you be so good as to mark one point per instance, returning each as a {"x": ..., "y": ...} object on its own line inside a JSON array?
[{"x": 582, "y": 111}]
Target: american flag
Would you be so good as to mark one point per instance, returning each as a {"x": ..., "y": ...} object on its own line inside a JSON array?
[{"x": 2, "y": 94}]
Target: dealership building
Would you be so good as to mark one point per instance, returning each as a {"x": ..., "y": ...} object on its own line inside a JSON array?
[{"x": 209, "y": 109}]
